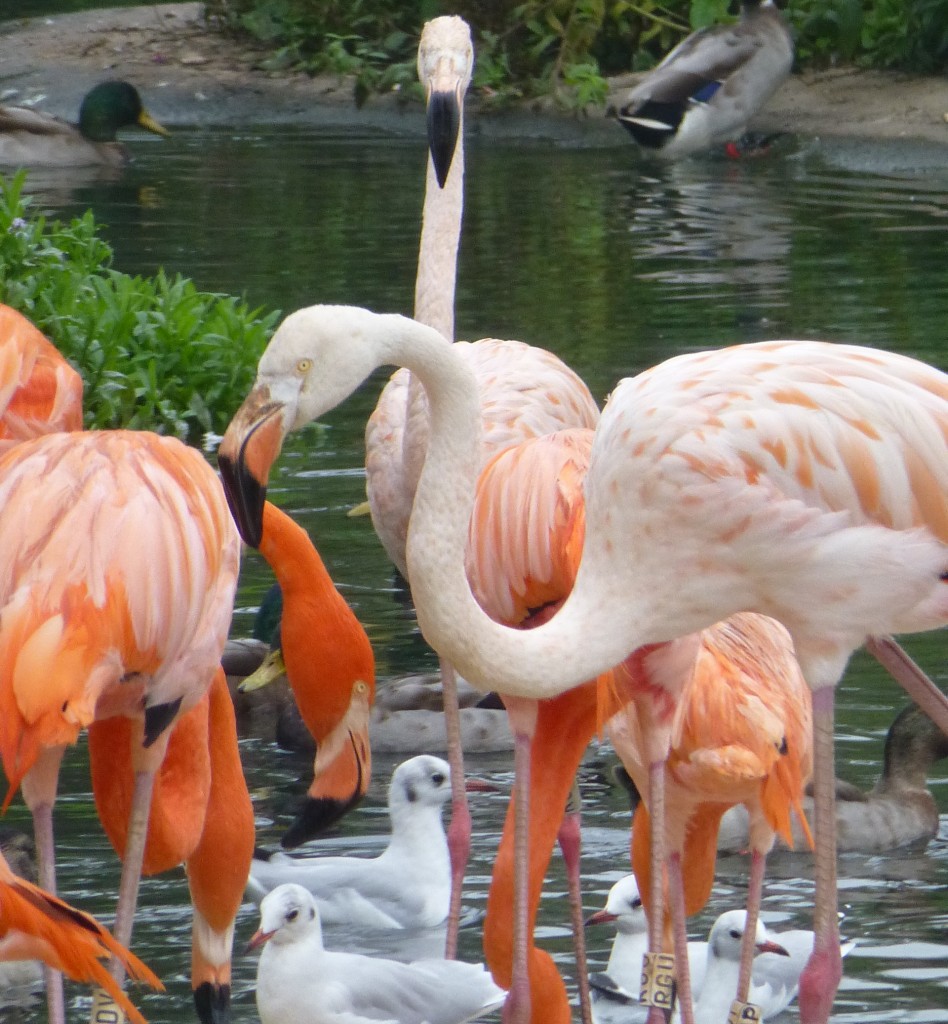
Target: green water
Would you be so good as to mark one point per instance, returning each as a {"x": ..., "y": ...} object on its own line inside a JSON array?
[{"x": 614, "y": 265}]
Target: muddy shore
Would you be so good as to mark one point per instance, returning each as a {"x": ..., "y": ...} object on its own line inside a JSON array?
[{"x": 192, "y": 75}]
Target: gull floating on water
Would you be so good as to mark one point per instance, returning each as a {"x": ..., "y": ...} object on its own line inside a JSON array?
[
  {"x": 299, "y": 981},
  {"x": 615, "y": 991},
  {"x": 713, "y": 964},
  {"x": 407, "y": 886}
]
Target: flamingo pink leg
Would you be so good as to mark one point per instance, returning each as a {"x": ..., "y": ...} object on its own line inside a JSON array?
[
  {"x": 820, "y": 977},
  {"x": 570, "y": 840},
  {"x": 656, "y": 909},
  {"x": 147, "y": 762},
  {"x": 676, "y": 899},
  {"x": 39, "y": 792},
  {"x": 755, "y": 888},
  {"x": 459, "y": 831},
  {"x": 913, "y": 680},
  {"x": 523, "y": 716}
]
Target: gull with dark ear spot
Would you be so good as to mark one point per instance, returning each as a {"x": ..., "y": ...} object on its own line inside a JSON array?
[
  {"x": 406, "y": 886},
  {"x": 299, "y": 981},
  {"x": 616, "y": 988},
  {"x": 778, "y": 965}
]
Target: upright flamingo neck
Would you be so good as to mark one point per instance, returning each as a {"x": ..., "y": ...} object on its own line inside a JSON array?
[
  {"x": 435, "y": 282},
  {"x": 438, "y": 248}
]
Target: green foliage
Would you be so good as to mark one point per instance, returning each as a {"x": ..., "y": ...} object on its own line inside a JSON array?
[
  {"x": 154, "y": 353},
  {"x": 375, "y": 41},
  {"x": 568, "y": 47},
  {"x": 908, "y": 35}
]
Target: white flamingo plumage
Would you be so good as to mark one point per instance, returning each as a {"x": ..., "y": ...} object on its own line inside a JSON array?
[
  {"x": 801, "y": 479},
  {"x": 525, "y": 391},
  {"x": 738, "y": 730}
]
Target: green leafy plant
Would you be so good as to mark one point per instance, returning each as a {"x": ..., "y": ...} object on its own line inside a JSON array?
[
  {"x": 568, "y": 48},
  {"x": 154, "y": 353},
  {"x": 374, "y": 41},
  {"x": 908, "y": 35}
]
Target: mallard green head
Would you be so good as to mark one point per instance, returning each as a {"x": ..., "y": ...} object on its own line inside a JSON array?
[{"x": 110, "y": 106}]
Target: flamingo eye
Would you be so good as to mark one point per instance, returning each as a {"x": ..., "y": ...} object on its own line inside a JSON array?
[{"x": 303, "y": 366}]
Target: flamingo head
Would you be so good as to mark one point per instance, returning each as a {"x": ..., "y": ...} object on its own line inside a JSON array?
[{"x": 445, "y": 64}]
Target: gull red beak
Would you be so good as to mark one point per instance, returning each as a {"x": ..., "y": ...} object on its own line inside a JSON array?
[
  {"x": 258, "y": 939},
  {"x": 480, "y": 786},
  {"x": 771, "y": 947},
  {"x": 600, "y": 917}
]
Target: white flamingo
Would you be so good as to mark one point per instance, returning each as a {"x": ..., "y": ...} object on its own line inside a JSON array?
[
  {"x": 801, "y": 479},
  {"x": 524, "y": 391}
]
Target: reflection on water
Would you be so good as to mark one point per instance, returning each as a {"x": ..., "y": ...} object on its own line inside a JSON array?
[{"x": 614, "y": 265}]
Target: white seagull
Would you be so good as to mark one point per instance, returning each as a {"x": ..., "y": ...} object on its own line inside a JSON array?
[
  {"x": 407, "y": 886},
  {"x": 617, "y": 988},
  {"x": 299, "y": 981},
  {"x": 713, "y": 964},
  {"x": 781, "y": 957}
]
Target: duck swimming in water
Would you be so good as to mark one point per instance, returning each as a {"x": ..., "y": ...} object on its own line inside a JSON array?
[{"x": 30, "y": 138}]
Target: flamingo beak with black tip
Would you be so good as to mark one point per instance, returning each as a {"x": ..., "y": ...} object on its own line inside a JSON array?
[
  {"x": 444, "y": 120},
  {"x": 250, "y": 447}
]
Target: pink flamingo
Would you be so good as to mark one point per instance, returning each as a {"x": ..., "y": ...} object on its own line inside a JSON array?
[
  {"x": 800, "y": 479},
  {"x": 118, "y": 568},
  {"x": 524, "y": 391}
]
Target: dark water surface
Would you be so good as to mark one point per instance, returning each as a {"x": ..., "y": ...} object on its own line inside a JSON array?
[{"x": 614, "y": 265}]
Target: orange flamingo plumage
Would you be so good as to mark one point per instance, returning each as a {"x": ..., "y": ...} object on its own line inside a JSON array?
[
  {"x": 330, "y": 667},
  {"x": 118, "y": 568},
  {"x": 39, "y": 391},
  {"x": 36, "y": 925},
  {"x": 804, "y": 480},
  {"x": 201, "y": 816},
  {"x": 741, "y": 735},
  {"x": 525, "y": 539}
]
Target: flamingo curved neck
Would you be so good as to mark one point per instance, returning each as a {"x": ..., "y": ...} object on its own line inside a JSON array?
[{"x": 576, "y": 645}]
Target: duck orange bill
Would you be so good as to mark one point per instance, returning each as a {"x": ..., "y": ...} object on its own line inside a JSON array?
[{"x": 258, "y": 939}]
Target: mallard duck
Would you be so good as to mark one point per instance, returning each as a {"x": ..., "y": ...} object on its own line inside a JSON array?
[
  {"x": 707, "y": 89},
  {"x": 30, "y": 138}
]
